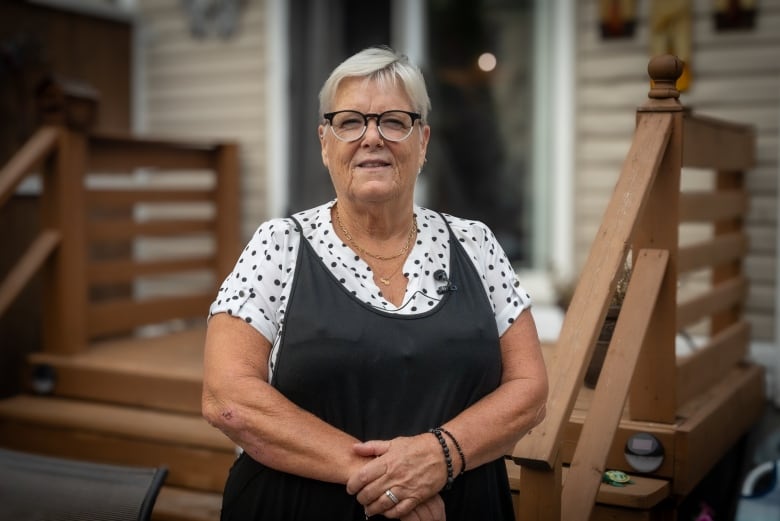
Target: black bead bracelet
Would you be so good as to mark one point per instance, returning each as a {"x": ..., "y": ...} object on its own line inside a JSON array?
[
  {"x": 447, "y": 458},
  {"x": 457, "y": 447}
]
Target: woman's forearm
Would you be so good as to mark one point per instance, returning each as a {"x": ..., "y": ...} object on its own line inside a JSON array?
[
  {"x": 282, "y": 436},
  {"x": 239, "y": 401}
]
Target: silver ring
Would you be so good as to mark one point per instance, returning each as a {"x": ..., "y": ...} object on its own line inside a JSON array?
[{"x": 392, "y": 497}]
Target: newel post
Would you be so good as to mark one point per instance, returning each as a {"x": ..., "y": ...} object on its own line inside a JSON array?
[
  {"x": 653, "y": 393},
  {"x": 72, "y": 106}
]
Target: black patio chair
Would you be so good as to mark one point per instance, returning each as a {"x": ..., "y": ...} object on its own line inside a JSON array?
[{"x": 45, "y": 488}]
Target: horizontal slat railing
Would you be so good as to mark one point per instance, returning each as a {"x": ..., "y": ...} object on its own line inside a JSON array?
[
  {"x": 201, "y": 219},
  {"x": 718, "y": 250},
  {"x": 715, "y": 144},
  {"x": 710, "y": 363},
  {"x": 124, "y": 153},
  {"x": 712, "y": 206},
  {"x": 32, "y": 153},
  {"x": 588, "y": 308},
  {"x": 118, "y": 230},
  {"x": 100, "y": 227},
  {"x": 115, "y": 198},
  {"x": 123, "y": 271},
  {"x": 27, "y": 266},
  {"x": 721, "y": 297},
  {"x": 119, "y": 315}
]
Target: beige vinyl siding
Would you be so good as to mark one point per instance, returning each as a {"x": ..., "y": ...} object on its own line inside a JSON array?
[
  {"x": 736, "y": 76},
  {"x": 209, "y": 88}
]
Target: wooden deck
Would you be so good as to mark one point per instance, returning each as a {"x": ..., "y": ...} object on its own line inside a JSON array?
[
  {"x": 133, "y": 402},
  {"x": 163, "y": 372}
]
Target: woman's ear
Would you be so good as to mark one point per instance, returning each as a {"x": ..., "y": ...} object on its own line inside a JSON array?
[{"x": 323, "y": 145}]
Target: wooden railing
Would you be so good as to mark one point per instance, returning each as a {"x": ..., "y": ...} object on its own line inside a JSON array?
[
  {"x": 644, "y": 217},
  {"x": 31, "y": 156},
  {"x": 102, "y": 199}
]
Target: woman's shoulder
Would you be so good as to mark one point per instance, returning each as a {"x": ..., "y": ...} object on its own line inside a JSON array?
[
  {"x": 280, "y": 228},
  {"x": 466, "y": 230},
  {"x": 314, "y": 220}
]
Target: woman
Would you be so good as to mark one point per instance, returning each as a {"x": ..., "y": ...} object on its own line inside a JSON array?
[{"x": 372, "y": 357}]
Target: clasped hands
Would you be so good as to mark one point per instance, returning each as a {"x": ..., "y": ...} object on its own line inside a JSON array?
[{"x": 412, "y": 469}]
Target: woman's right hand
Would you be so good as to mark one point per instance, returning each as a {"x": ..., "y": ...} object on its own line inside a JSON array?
[{"x": 432, "y": 509}]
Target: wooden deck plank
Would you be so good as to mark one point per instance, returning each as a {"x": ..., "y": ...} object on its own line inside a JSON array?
[
  {"x": 177, "y": 355},
  {"x": 643, "y": 493},
  {"x": 126, "y": 422},
  {"x": 181, "y": 504}
]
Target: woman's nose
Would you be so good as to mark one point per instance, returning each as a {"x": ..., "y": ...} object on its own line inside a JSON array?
[{"x": 372, "y": 135}]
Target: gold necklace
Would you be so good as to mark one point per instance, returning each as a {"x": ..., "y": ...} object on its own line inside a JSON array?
[
  {"x": 405, "y": 249},
  {"x": 386, "y": 280}
]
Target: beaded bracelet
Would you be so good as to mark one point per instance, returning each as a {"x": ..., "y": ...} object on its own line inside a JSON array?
[
  {"x": 457, "y": 447},
  {"x": 447, "y": 459}
]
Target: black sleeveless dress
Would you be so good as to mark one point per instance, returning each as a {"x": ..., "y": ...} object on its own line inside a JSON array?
[{"x": 377, "y": 375}]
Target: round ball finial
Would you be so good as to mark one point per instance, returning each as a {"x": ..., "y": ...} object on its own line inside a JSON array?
[{"x": 665, "y": 70}]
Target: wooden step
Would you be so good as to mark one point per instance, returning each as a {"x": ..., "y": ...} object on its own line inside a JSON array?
[
  {"x": 162, "y": 372},
  {"x": 197, "y": 455},
  {"x": 633, "y": 502},
  {"x": 180, "y": 504}
]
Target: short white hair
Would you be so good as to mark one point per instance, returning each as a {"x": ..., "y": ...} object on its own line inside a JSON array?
[{"x": 385, "y": 67}]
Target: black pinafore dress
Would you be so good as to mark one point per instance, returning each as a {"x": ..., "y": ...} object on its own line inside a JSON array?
[{"x": 377, "y": 375}]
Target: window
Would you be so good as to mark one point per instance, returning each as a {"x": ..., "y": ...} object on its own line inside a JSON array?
[{"x": 479, "y": 73}]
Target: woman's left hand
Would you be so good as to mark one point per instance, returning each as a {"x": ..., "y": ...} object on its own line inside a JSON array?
[{"x": 411, "y": 468}]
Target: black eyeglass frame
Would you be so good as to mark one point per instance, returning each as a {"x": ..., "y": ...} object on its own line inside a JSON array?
[{"x": 416, "y": 116}]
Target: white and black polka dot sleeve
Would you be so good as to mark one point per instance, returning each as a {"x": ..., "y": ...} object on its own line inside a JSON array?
[{"x": 257, "y": 288}]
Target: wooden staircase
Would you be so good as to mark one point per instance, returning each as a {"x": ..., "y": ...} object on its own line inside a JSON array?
[
  {"x": 136, "y": 236},
  {"x": 696, "y": 406}
]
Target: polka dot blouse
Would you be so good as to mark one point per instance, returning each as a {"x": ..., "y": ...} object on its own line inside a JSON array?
[{"x": 258, "y": 288}]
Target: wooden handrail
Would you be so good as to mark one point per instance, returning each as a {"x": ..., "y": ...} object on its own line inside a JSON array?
[
  {"x": 32, "y": 153},
  {"x": 115, "y": 153},
  {"x": 27, "y": 266}
]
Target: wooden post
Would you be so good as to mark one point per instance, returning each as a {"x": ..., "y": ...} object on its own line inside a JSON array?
[
  {"x": 228, "y": 201},
  {"x": 540, "y": 493},
  {"x": 653, "y": 393},
  {"x": 71, "y": 105},
  {"x": 63, "y": 207}
]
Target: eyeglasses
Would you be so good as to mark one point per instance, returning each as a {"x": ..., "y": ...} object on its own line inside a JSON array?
[{"x": 351, "y": 125}]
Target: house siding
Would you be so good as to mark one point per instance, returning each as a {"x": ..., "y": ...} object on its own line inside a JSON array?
[
  {"x": 735, "y": 76},
  {"x": 210, "y": 88}
]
